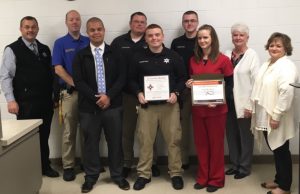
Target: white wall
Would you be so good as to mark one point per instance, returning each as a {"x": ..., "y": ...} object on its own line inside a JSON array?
[{"x": 263, "y": 17}]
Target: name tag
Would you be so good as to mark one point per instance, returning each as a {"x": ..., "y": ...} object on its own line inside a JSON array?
[
  {"x": 69, "y": 50},
  {"x": 143, "y": 61}
]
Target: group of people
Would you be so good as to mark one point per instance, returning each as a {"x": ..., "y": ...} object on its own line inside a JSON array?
[{"x": 102, "y": 87}]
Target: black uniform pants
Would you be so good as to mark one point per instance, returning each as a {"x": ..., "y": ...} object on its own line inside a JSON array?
[{"x": 44, "y": 111}]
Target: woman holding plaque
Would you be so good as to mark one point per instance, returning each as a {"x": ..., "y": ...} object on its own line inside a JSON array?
[
  {"x": 239, "y": 137},
  {"x": 273, "y": 113},
  {"x": 209, "y": 120}
]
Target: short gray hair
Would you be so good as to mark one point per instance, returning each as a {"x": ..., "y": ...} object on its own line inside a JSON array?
[{"x": 240, "y": 27}]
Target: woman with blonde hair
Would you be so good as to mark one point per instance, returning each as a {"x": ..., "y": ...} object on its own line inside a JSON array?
[{"x": 239, "y": 137}]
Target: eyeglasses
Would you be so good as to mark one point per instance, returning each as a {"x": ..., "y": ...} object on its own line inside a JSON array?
[{"x": 190, "y": 21}]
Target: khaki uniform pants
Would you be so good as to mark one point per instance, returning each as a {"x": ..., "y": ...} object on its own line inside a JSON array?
[
  {"x": 70, "y": 116},
  {"x": 166, "y": 118}
]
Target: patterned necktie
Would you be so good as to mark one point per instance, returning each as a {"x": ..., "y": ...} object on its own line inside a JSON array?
[
  {"x": 34, "y": 49},
  {"x": 100, "y": 72}
]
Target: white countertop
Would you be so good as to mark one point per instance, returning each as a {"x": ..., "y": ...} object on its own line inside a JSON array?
[{"x": 12, "y": 130}]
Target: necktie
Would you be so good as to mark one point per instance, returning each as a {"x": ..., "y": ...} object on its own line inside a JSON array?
[
  {"x": 34, "y": 49},
  {"x": 100, "y": 72}
]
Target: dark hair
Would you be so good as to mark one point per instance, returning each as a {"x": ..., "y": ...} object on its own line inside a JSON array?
[
  {"x": 28, "y": 18},
  {"x": 152, "y": 26},
  {"x": 137, "y": 13},
  {"x": 190, "y": 12},
  {"x": 214, "y": 53},
  {"x": 285, "y": 39},
  {"x": 94, "y": 19}
]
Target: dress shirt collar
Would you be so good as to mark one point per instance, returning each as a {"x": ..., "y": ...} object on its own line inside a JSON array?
[
  {"x": 28, "y": 44},
  {"x": 102, "y": 47}
]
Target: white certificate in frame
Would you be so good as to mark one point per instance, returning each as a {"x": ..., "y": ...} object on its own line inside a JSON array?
[
  {"x": 156, "y": 87},
  {"x": 208, "y": 92}
]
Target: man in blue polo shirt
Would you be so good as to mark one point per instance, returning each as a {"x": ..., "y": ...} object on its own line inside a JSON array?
[{"x": 64, "y": 51}]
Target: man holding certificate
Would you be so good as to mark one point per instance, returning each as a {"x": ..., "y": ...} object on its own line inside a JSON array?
[{"x": 157, "y": 76}]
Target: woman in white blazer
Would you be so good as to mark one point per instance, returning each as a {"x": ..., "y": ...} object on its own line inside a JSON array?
[
  {"x": 273, "y": 114},
  {"x": 239, "y": 137}
]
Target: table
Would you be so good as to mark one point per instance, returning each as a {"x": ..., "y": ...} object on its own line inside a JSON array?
[{"x": 20, "y": 161}]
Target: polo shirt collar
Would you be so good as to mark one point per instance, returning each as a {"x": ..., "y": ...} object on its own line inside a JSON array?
[
  {"x": 191, "y": 39},
  {"x": 71, "y": 37},
  {"x": 128, "y": 37},
  {"x": 162, "y": 53}
]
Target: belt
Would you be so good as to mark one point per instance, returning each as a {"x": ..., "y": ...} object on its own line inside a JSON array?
[
  {"x": 159, "y": 102},
  {"x": 70, "y": 89}
]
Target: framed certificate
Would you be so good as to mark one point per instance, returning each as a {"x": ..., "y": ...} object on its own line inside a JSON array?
[
  {"x": 156, "y": 87},
  {"x": 208, "y": 91}
]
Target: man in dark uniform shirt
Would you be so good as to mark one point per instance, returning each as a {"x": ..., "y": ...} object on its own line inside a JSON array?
[
  {"x": 184, "y": 46},
  {"x": 127, "y": 45},
  {"x": 163, "y": 114}
]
